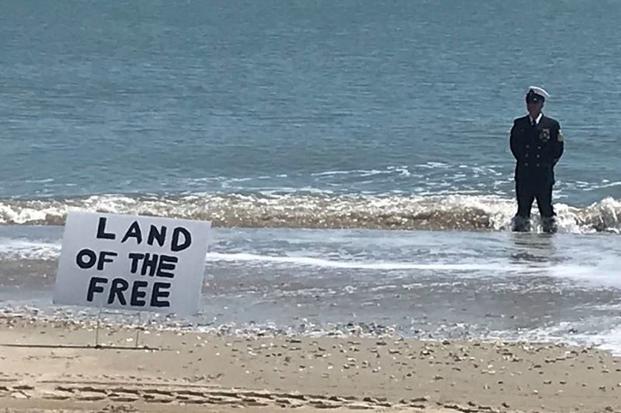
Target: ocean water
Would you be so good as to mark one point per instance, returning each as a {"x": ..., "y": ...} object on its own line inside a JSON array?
[
  {"x": 424, "y": 284},
  {"x": 352, "y": 156}
]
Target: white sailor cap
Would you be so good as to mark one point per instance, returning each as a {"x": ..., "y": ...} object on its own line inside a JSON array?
[{"x": 536, "y": 94}]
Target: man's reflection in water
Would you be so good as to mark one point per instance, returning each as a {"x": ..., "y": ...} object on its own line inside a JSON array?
[
  {"x": 536, "y": 297},
  {"x": 533, "y": 248}
]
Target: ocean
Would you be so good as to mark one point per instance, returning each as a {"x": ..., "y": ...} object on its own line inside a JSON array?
[{"x": 353, "y": 157}]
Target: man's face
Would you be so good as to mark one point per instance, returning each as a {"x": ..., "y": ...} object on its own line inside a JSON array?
[{"x": 534, "y": 107}]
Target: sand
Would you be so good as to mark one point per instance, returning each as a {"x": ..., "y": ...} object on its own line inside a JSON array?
[{"x": 48, "y": 366}]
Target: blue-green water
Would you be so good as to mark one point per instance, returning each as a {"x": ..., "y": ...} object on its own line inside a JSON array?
[{"x": 401, "y": 99}]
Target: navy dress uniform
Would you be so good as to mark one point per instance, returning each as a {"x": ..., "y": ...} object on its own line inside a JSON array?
[{"x": 537, "y": 145}]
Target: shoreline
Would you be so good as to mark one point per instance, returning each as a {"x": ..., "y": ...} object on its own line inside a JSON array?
[{"x": 53, "y": 366}]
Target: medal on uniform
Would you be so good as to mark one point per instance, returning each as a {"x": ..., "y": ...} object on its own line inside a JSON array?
[{"x": 544, "y": 135}]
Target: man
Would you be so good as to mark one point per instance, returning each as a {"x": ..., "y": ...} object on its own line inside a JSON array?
[{"x": 537, "y": 145}]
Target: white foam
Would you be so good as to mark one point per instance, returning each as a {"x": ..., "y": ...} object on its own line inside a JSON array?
[
  {"x": 362, "y": 265},
  {"x": 312, "y": 208},
  {"x": 11, "y": 249},
  {"x": 607, "y": 339},
  {"x": 606, "y": 272}
]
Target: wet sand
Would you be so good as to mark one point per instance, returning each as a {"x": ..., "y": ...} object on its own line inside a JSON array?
[{"x": 54, "y": 367}]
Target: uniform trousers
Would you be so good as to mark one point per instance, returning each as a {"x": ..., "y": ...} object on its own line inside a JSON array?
[{"x": 526, "y": 193}]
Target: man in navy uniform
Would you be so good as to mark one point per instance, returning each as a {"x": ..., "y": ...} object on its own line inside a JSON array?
[{"x": 537, "y": 145}]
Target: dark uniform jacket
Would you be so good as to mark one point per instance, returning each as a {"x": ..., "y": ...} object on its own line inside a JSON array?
[{"x": 536, "y": 149}]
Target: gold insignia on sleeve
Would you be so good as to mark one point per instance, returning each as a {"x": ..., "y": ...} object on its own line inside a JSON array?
[{"x": 561, "y": 138}]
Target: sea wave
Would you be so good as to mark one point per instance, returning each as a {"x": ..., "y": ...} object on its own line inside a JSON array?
[{"x": 442, "y": 212}]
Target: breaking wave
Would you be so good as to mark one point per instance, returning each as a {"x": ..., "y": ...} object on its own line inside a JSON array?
[{"x": 445, "y": 212}]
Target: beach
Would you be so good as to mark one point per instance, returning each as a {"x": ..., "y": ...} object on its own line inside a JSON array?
[
  {"x": 53, "y": 366},
  {"x": 336, "y": 320},
  {"x": 353, "y": 160}
]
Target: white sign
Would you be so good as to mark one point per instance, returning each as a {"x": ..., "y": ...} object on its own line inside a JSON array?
[{"x": 132, "y": 262}]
